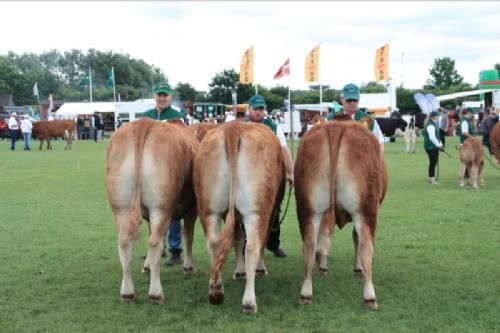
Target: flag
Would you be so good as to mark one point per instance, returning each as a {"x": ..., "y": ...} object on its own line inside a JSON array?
[
  {"x": 312, "y": 65},
  {"x": 51, "y": 103},
  {"x": 246, "y": 67},
  {"x": 382, "y": 63},
  {"x": 283, "y": 70},
  {"x": 35, "y": 89},
  {"x": 111, "y": 78}
]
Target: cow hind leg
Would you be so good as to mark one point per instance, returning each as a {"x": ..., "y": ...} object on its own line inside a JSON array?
[
  {"x": 188, "y": 234},
  {"x": 462, "y": 174},
  {"x": 159, "y": 223},
  {"x": 358, "y": 268},
  {"x": 473, "y": 175},
  {"x": 125, "y": 249},
  {"x": 309, "y": 237},
  {"x": 256, "y": 235},
  {"x": 212, "y": 233},
  {"x": 239, "y": 248},
  {"x": 366, "y": 250},
  {"x": 480, "y": 173},
  {"x": 326, "y": 229}
]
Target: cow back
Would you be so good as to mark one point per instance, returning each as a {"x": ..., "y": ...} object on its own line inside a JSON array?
[
  {"x": 495, "y": 141},
  {"x": 471, "y": 152}
]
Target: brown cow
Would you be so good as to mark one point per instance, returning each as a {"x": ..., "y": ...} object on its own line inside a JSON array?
[
  {"x": 45, "y": 130},
  {"x": 201, "y": 129},
  {"x": 239, "y": 170},
  {"x": 148, "y": 175},
  {"x": 495, "y": 141},
  {"x": 340, "y": 176},
  {"x": 472, "y": 160}
]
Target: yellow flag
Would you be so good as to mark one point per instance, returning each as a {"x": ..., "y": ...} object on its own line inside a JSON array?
[
  {"x": 382, "y": 63},
  {"x": 312, "y": 65},
  {"x": 246, "y": 67}
]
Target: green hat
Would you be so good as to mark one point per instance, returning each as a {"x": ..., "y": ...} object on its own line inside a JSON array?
[
  {"x": 350, "y": 91},
  {"x": 257, "y": 101},
  {"x": 434, "y": 113},
  {"x": 162, "y": 87}
]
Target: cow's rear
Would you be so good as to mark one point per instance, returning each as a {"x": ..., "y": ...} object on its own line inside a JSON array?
[
  {"x": 495, "y": 142},
  {"x": 472, "y": 160},
  {"x": 238, "y": 171},
  {"x": 148, "y": 175},
  {"x": 340, "y": 175}
]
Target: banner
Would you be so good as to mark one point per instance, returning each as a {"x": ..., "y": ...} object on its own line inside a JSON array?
[
  {"x": 246, "y": 67},
  {"x": 283, "y": 70},
  {"x": 312, "y": 65},
  {"x": 382, "y": 63}
]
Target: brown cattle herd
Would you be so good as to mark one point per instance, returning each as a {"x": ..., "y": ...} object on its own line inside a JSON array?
[{"x": 230, "y": 175}]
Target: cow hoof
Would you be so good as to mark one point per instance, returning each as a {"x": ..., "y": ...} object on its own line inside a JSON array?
[
  {"x": 239, "y": 276},
  {"x": 370, "y": 304},
  {"x": 156, "y": 299},
  {"x": 305, "y": 300},
  {"x": 260, "y": 272},
  {"x": 216, "y": 298},
  {"x": 358, "y": 272},
  {"x": 482, "y": 183},
  {"x": 249, "y": 309},
  {"x": 462, "y": 185},
  {"x": 216, "y": 294},
  {"x": 146, "y": 270},
  {"x": 188, "y": 271},
  {"x": 323, "y": 271},
  {"x": 129, "y": 298}
]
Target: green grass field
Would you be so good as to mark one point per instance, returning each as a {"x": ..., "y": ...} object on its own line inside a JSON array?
[{"x": 436, "y": 266}]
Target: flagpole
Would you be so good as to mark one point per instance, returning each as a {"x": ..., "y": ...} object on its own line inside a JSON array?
[
  {"x": 114, "y": 87},
  {"x": 90, "y": 84},
  {"x": 290, "y": 105}
]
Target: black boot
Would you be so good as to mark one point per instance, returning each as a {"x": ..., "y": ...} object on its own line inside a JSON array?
[{"x": 175, "y": 258}]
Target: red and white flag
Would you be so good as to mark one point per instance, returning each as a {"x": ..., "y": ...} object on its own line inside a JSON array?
[{"x": 284, "y": 70}]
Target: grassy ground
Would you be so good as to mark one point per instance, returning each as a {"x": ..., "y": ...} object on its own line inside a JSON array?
[{"x": 436, "y": 265}]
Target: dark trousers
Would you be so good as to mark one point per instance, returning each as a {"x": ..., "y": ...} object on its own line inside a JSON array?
[
  {"x": 486, "y": 141},
  {"x": 442, "y": 134},
  {"x": 273, "y": 242},
  {"x": 433, "y": 161},
  {"x": 13, "y": 137}
]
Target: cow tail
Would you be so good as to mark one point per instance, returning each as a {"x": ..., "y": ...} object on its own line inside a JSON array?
[
  {"x": 334, "y": 139},
  {"x": 135, "y": 215},
  {"x": 232, "y": 144}
]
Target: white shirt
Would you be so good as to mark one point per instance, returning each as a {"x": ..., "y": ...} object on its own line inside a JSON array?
[
  {"x": 432, "y": 136},
  {"x": 464, "y": 127},
  {"x": 13, "y": 125},
  {"x": 229, "y": 118},
  {"x": 281, "y": 136},
  {"x": 26, "y": 126}
]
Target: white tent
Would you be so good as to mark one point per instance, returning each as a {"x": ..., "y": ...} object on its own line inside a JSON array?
[
  {"x": 71, "y": 110},
  {"x": 462, "y": 94}
]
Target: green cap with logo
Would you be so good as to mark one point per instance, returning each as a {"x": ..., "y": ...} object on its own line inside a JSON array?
[
  {"x": 350, "y": 91},
  {"x": 162, "y": 87},
  {"x": 257, "y": 101}
]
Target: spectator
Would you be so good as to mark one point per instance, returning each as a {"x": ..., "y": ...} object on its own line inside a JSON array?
[
  {"x": 86, "y": 128},
  {"x": 165, "y": 111},
  {"x": 432, "y": 145},
  {"x": 257, "y": 113},
  {"x": 79, "y": 127},
  {"x": 99, "y": 125},
  {"x": 486, "y": 126},
  {"x": 26, "y": 128},
  {"x": 13, "y": 129},
  {"x": 443, "y": 127}
]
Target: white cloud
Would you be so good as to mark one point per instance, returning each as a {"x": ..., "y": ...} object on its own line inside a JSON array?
[{"x": 192, "y": 41}]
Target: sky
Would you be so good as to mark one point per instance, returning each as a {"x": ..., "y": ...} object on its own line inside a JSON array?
[{"x": 192, "y": 41}]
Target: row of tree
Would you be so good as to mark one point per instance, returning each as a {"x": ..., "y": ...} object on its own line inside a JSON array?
[{"x": 66, "y": 76}]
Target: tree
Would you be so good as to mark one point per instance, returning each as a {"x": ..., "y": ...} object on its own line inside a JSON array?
[
  {"x": 444, "y": 74},
  {"x": 185, "y": 91},
  {"x": 373, "y": 87},
  {"x": 222, "y": 83}
]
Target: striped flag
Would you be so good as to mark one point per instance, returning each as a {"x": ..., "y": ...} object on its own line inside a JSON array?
[
  {"x": 246, "y": 67},
  {"x": 311, "y": 70},
  {"x": 283, "y": 70},
  {"x": 382, "y": 63}
]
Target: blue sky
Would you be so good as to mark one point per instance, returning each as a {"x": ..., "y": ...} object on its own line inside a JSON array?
[{"x": 192, "y": 41}]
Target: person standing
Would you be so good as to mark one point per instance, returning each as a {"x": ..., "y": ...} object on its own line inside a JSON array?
[
  {"x": 13, "y": 129},
  {"x": 86, "y": 128},
  {"x": 486, "y": 126},
  {"x": 350, "y": 101},
  {"x": 257, "y": 113},
  {"x": 163, "y": 112},
  {"x": 99, "y": 126},
  {"x": 466, "y": 125},
  {"x": 432, "y": 144},
  {"x": 26, "y": 128},
  {"x": 443, "y": 127}
]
